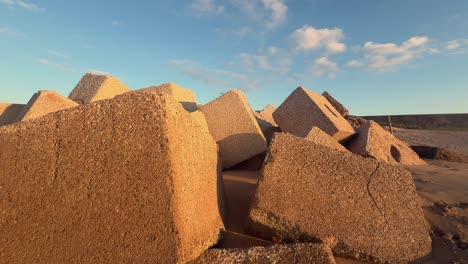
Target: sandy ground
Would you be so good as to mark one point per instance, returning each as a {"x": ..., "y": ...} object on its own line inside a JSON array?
[
  {"x": 453, "y": 140},
  {"x": 443, "y": 191}
]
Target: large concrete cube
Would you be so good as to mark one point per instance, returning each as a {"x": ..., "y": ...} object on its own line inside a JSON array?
[
  {"x": 133, "y": 179},
  {"x": 337, "y": 105},
  {"x": 232, "y": 124},
  {"x": 43, "y": 103},
  {"x": 363, "y": 208},
  {"x": 374, "y": 141},
  {"x": 302, "y": 253},
  {"x": 304, "y": 109},
  {"x": 316, "y": 135},
  {"x": 9, "y": 112},
  {"x": 185, "y": 96},
  {"x": 94, "y": 87}
]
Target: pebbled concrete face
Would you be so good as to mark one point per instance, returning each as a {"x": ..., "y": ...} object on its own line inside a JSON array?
[
  {"x": 94, "y": 87},
  {"x": 232, "y": 124},
  {"x": 266, "y": 121},
  {"x": 364, "y": 209},
  {"x": 9, "y": 112},
  {"x": 42, "y": 103},
  {"x": 316, "y": 135},
  {"x": 304, "y": 109},
  {"x": 337, "y": 105},
  {"x": 306, "y": 253},
  {"x": 374, "y": 141},
  {"x": 185, "y": 96},
  {"x": 132, "y": 179}
]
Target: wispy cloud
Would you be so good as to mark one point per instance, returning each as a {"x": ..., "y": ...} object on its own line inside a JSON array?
[
  {"x": 272, "y": 60},
  {"x": 7, "y": 31},
  {"x": 207, "y": 7},
  {"x": 278, "y": 10},
  {"x": 354, "y": 63},
  {"x": 457, "y": 46},
  {"x": 384, "y": 56},
  {"x": 214, "y": 77},
  {"x": 115, "y": 23},
  {"x": 309, "y": 38},
  {"x": 324, "y": 67},
  {"x": 61, "y": 66},
  {"x": 55, "y": 53},
  {"x": 23, "y": 4}
]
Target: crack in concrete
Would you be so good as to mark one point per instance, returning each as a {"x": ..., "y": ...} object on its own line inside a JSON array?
[{"x": 372, "y": 197}]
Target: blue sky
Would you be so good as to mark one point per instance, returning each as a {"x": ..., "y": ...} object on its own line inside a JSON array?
[{"x": 376, "y": 57}]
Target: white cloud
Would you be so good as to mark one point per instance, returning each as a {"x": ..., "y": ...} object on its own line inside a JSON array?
[
  {"x": 324, "y": 67},
  {"x": 6, "y": 31},
  {"x": 457, "y": 45},
  {"x": 273, "y": 59},
  {"x": 216, "y": 78},
  {"x": 382, "y": 56},
  {"x": 354, "y": 63},
  {"x": 207, "y": 7},
  {"x": 310, "y": 38},
  {"x": 97, "y": 72},
  {"x": 22, "y": 4},
  {"x": 61, "y": 66},
  {"x": 278, "y": 12}
]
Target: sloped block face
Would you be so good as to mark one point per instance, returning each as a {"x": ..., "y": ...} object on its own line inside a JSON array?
[
  {"x": 112, "y": 181},
  {"x": 43, "y": 103},
  {"x": 316, "y": 135},
  {"x": 232, "y": 124},
  {"x": 364, "y": 209},
  {"x": 181, "y": 94},
  {"x": 374, "y": 141},
  {"x": 94, "y": 87},
  {"x": 337, "y": 105},
  {"x": 9, "y": 112},
  {"x": 304, "y": 109},
  {"x": 281, "y": 254}
]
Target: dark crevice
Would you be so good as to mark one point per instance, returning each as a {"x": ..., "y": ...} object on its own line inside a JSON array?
[{"x": 372, "y": 197}]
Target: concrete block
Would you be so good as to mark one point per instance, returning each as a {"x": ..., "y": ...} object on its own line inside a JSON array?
[
  {"x": 94, "y": 87},
  {"x": 9, "y": 112},
  {"x": 43, "y": 103}
]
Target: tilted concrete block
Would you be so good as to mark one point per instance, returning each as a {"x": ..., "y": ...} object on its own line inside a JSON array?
[
  {"x": 316, "y": 135},
  {"x": 185, "y": 96},
  {"x": 337, "y": 105},
  {"x": 9, "y": 112},
  {"x": 94, "y": 87},
  {"x": 129, "y": 179},
  {"x": 43, "y": 103},
  {"x": 363, "y": 208},
  {"x": 304, "y": 109}
]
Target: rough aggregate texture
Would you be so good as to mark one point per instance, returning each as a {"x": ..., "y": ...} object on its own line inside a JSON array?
[
  {"x": 355, "y": 121},
  {"x": 435, "y": 153},
  {"x": 337, "y": 105},
  {"x": 9, "y": 112},
  {"x": 316, "y": 135},
  {"x": 362, "y": 208},
  {"x": 185, "y": 96},
  {"x": 232, "y": 124},
  {"x": 374, "y": 141},
  {"x": 42, "y": 103},
  {"x": 267, "y": 122},
  {"x": 131, "y": 179},
  {"x": 304, "y": 109},
  {"x": 200, "y": 118},
  {"x": 281, "y": 254},
  {"x": 94, "y": 87}
]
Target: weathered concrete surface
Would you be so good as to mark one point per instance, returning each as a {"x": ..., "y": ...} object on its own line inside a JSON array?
[
  {"x": 337, "y": 105},
  {"x": 185, "y": 96},
  {"x": 233, "y": 126},
  {"x": 200, "y": 118},
  {"x": 355, "y": 121},
  {"x": 42, "y": 103},
  {"x": 94, "y": 87},
  {"x": 9, "y": 112},
  {"x": 267, "y": 122},
  {"x": 304, "y": 109},
  {"x": 364, "y": 209},
  {"x": 132, "y": 179},
  {"x": 374, "y": 141},
  {"x": 316, "y": 135},
  {"x": 303, "y": 253}
]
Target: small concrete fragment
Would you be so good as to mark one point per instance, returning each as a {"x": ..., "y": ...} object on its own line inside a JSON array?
[
  {"x": 201, "y": 120},
  {"x": 94, "y": 87},
  {"x": 42, "y": 103},
  {"x": 316, "y": 135},
  {"x": 266, "y": 121},
  {"x": 9, "y": 112},
  {"x": 304, "y": 109},
  {"x": 337, "y": 105},
  {"x": 132, "y": 179},
  {"x": 362, "y": 208},
  {"x": 233, "y": 126},
  {"x": 185, "y": 96},
  {"x": 302, "y": 253},
  {"x": 374, "y": 141}
]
